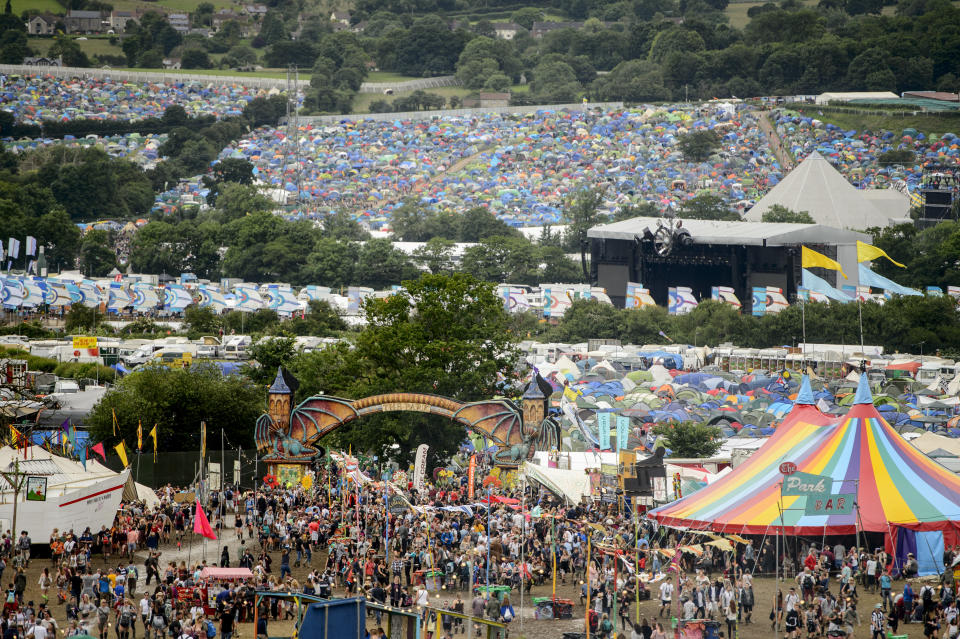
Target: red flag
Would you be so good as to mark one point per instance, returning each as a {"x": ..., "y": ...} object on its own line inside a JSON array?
[
  {"x": 98, "y": 449},
  {"x": 201, "y": 525}
]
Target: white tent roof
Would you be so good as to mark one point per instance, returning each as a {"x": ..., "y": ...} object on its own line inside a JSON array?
[
  {"x": 891, "y": 202},
  {"x": 818, "y": 188},
  {"x": 65, "y": 474},
  {"x": 572, "y": 485},
  {"x": 929, "y": 442}
]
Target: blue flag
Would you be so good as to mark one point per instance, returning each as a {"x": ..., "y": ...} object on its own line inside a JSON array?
[
  {"x": 623, "y": 431},
  {"x": 873, "y": 280},
  {"x": 603, "y": 424}
]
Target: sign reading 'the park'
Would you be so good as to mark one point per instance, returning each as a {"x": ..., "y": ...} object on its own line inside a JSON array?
[{"x": 804, "y": 485}]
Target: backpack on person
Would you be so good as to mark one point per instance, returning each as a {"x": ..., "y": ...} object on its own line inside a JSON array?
[
  {"x": 211, "y": 630},
  {"x": 808, "y": 582}
]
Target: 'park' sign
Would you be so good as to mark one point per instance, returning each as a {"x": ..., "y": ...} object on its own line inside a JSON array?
[{"x": 805, "y": 485}]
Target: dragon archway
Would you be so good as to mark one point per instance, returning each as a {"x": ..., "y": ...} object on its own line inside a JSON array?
[{"x": 287, "y": 434}]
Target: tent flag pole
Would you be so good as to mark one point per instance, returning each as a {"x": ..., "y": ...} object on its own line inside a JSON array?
[{"x": 860, "y": 316}]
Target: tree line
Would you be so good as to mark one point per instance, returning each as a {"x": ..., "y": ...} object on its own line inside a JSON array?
[
  {"x": 651, "y": 50},
  {"x": 444, "y": 335},
  {"x": 899, "y": 325}
]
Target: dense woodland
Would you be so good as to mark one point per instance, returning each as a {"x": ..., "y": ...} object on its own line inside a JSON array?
[{"x": 653, "y": 49}]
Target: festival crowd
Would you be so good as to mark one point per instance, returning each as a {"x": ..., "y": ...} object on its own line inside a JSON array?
[{"x": 345, "y": 539}]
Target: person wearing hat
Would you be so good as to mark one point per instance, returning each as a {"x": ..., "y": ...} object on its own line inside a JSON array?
[
  {"x": 877, "y": 622},
  {"x": 911, "y": 569}
]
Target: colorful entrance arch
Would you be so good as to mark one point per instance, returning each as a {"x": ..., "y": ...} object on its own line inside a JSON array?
[{"x": 288, "y": 434}]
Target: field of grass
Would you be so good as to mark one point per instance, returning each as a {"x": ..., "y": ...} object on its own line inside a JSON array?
[
  {"x": 737, "y": 11},
  {"x": 91, "y": 46},
  {"x": 387, "y": 76},
  {"x": 929, "y": 124},
  {"x": 52, "y": 6},
  {"x": 362, "y": 103}
]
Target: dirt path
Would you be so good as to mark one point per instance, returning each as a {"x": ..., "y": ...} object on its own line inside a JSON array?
[
  {"x": 783, "y": 155},
  {"x": 459, "y": 164}
]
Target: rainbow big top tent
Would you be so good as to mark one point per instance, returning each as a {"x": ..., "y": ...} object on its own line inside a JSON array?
[{"x": 900, "y": 492}]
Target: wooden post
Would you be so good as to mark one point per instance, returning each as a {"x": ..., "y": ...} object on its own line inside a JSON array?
[
  {"x": 16, "y": 480},
  {"x": 587, "y": 577}
]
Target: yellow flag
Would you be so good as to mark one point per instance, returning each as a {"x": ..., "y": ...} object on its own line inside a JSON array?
[
  {"x": 866, "y": 252},
  {"x": 139, "y": 436},
  {"x": 153, "y": 434},
  {"x": 122, "y": 452},
  {"x": 15, "y": 436},
  {"x": 809, "y": 257},
  {"x": 203, "y": 440},
  {"x": 114, "y": 421}
]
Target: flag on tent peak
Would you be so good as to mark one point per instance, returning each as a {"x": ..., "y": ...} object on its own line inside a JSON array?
[
  {"x": 863, "y": 396},
  {"x": 805, "y": 396}
]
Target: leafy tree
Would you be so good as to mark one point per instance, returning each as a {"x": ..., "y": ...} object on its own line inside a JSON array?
[
  {"x": 341, "y": 225},
  {"x": 320, "y": 320},
  {"x": 184, "y": 247},
  {"x": 237, "y": 200},
  {"x": 707, "y": 207},
  {"x": 444, "y": 335},
  {"x": 697, "y": 146},
  {"x": 675, "y": 39},
  {"x": 633, "y": 81},
  {"x": 227, "y": 171},
  {"x": 502, "y": 259},
  {"x": 97, "y": 257},
  {"x": 589, "y": 317},
  {"x": 581, "y": 214},
  {"x": 557, "y": 267},
  {"x": 265, "y": 248},
  {"x": 272, "y": 29},
  {"x": 195, "y": 59},
  {"x": 201, "y": 321},
  {"x": 80, "y": 319},
  {"x": 13, "y": 46},
  {"x": 478, "y": 222},
  {"x": 413, "y": 222},
  {"x": 526, "y": 16},
  {"x": 555, "y": 82},
  {"x": 177, "y": 400},
  {"x": 270, "y": 353},
  {"x": 689, "y": 440},
  {"x": 380, "y": 265},
  {"x": 436, "y": 255},
  {"x": 780, "y": 213},
  {"x": 261, "y": 321},
  {"x": 332, "y": 262},
  {"x": 67, "y": 48}
]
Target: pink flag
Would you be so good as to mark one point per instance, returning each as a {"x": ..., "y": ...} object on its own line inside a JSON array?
[
  {"x": 201, "y": 525},
  {"x": 98, "y": 449}
]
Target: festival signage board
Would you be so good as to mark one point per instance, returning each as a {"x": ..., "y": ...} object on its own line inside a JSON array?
[
  {"x": 804, "y": 485},
  {"x": 840, "y": 504}
]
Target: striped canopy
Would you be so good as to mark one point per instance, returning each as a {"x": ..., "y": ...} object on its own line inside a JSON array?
[{"x": 896, "y": 485}]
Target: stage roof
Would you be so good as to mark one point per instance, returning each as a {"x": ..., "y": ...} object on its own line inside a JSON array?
[{"x": 735, "y": 233}]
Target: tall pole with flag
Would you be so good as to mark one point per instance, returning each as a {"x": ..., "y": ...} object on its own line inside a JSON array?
[
  {"x": 811, "y": 259},
  {"x": 139, "y": 445}
]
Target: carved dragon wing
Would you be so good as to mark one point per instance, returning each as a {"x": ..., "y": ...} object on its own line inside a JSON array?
[{"x": 498, "y": 420}]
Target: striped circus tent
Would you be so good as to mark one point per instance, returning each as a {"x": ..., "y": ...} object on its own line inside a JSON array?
[{"x": 898, "y": 489}]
